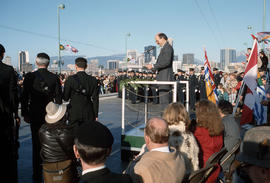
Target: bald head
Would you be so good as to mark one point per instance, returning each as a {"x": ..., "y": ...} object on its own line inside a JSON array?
[{"x": 157, "y": 130}]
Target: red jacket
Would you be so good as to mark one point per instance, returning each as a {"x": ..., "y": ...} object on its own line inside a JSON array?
[{"x": 208, "y": 146}]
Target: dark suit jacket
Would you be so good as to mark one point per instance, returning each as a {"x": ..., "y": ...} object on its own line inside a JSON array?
[
  {"x": 82, "y": 108},
  {"x": 105, "y": 176},
  {"x": 33, "y": 100},
  {"x": 8, "y": 94},
  {"x": 164, "y": 64}
]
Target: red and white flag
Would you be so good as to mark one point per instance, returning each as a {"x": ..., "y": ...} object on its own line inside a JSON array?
[{"x": 250, "y": 80}]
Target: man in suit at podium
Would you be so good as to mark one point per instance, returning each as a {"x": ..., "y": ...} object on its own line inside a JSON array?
[{"x": 164, "y": 68}]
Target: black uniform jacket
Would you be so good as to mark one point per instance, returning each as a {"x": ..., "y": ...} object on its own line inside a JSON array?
[
  {"x": 34, "y": 99},
  {"x": 8, "y": 94},
  {"x": 105, "y": 176},
  {"x": 82, "y": 107}
]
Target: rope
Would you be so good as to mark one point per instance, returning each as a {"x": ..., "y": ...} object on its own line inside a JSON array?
[
  {"x": 137, "y": 110},
  {"x": 149, "y": 96}
]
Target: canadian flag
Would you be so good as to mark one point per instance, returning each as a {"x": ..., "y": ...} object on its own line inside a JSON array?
[{"x": 250, "y": 80}]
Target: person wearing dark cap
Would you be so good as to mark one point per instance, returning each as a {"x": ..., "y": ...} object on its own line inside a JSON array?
[
  {"x": 8, "y": 112},
  {"x": 39, "y": 88},
  {"x": 181, "y": 87},
  {"x": 254, "y": 156},
  {"x": 193, "y": 83},
  {"x": 217, "y": 76},
  {"x": 201, "y": 85},
  {"x": 82, "y": 91},
  {"x": 93, "y": 144}
]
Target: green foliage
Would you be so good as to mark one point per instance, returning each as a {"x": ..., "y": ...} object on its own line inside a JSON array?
[{"x": 126, "y": 83}]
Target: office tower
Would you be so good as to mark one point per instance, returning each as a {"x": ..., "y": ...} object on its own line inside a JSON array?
[
  {"x": 23, "y": 60},
  {"x": 7, "y": 60},
  {"x": 227, "y": 56},
  {"x": 188, "y": 58},
  {"x": 112, "y": 64},
  {"x": 149, "y": 52}
]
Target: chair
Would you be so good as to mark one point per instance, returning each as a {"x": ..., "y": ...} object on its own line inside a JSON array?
[
  {"x": 200, "y": 175},
  {"x": 233, "y": 151},
  {"x": 216, "y": 157}
]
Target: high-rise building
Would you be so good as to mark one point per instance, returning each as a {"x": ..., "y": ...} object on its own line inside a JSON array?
[
  {"x": 149, "y": 52},
  {"x": 112, "y": 64},
  {"x": 188, "y": 58},
  {"x": 132, "y": 54},
  {"x": 23, "y": 60},
  {"x": 7, "y": 60},
  {"x": 227, "y": 56}
]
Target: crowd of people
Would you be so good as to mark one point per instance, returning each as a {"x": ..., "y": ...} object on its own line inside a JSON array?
[{"x": 66, "y": 137}]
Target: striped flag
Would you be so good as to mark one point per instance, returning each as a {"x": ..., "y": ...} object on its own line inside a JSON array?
[
  {"x": 250, "y": 80},
  {"x": 210, "y": 86}
]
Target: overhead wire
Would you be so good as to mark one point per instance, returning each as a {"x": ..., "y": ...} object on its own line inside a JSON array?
[
  {"x": 215, "y": 20},
  {"x": 54, "y": 37},
  {"x": 208, "y": 24}
]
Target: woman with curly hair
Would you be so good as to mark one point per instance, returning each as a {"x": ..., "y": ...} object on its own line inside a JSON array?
[
  {"x": 209, "y": 133},
  {"x": 180, "y": 137}
]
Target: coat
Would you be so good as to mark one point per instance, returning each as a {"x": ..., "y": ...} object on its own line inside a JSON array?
[
  {"x": 158, "y": 167},
  {"x": 231, "y": 136},
  {"x": 185, "y": 143},
  {"x": 208, "y": 146},
  {"x": 81, "y": 107},
  {"x": 164, "y": 65},
  {"x": 34, "y": 99},
  {"x": 8, "y": 95},
  {"x": 104, "y": 176}
]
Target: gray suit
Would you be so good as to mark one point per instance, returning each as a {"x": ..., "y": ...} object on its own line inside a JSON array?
[{"x": 165, "y": 72}]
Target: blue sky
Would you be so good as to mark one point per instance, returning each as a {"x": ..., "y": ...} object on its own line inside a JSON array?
[{"x": 193, "y": 24}]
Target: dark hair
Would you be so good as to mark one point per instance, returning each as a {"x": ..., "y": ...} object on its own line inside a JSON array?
[
  {"x": 81, "y": 62},
  {"x": 249, "y": 49},
  {"x": 157, "y": 135},
  {"x": 162, "y": 36},
  {"x": 262, "y": 52},
  {"x": 90, "y": 154},
  {"x": 2, "y": 50},
  {"x": 43, "y": 55},
  {"x": 225, "y": 107}
]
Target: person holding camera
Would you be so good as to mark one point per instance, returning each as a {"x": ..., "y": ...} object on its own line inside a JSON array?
[
  {"x": 39, "y": 88},
  {"x": 82, "y": 91}
]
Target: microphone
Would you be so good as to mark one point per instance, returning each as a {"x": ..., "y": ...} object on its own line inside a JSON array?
[{"x": 149, "y": 49}]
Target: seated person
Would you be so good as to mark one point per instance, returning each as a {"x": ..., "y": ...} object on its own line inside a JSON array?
[
  {"x": 159, "y": 164},
  {"x": 231, "y": 135},
  {"x": 93, "y": 144},
  {"x": 180, "y": 137},
  {"x": 255, "y": 156},
  {"x": 209, "y": 133}
]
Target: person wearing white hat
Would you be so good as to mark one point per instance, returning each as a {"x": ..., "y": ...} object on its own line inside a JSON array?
[{"x": 56, "y": 139}]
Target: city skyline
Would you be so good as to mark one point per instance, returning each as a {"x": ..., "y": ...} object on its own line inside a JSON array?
[{"x": 99, "y": 28}]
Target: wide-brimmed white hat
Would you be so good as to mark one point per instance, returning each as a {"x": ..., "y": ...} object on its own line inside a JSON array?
[{"x": 55, "y": 112}]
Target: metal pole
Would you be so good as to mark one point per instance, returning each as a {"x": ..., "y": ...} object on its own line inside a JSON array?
[
  {"x": 175, "y": 92},
  {"x": 263, "y": 29},
  {"x": 123, "y": 109},
  {"x": 59, "y": 56},
  {"x": 145, "y": 103}
]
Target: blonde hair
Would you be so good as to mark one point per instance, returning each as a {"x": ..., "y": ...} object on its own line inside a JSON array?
[
  {"x": 174, "y": 113},
  {"x": 208, "y": 116}
]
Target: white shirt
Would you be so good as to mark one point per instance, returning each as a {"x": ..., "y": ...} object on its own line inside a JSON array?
[
  {"x": 162, "y": 149},
  {"x": 93, "y": 169}
]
